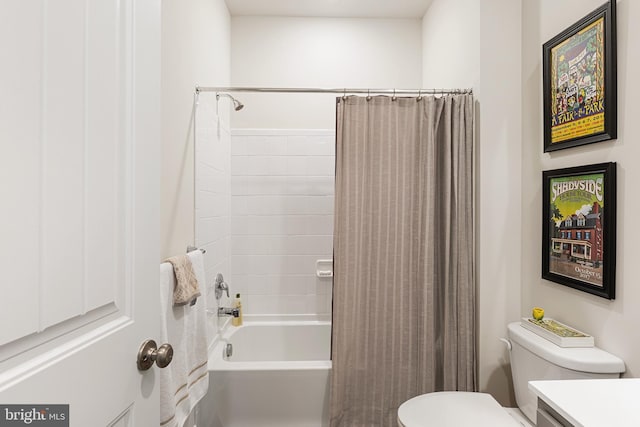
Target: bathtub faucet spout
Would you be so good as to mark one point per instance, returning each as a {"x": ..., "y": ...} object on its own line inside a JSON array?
[{"x": 226, "y": 311}]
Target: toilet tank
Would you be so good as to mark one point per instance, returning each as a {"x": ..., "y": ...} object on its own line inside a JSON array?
[{"x": 535, "y": 358}]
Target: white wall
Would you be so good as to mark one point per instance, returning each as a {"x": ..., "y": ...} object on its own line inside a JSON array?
[
  {"x": 510, "y": 166},
  {"x": 195, "y": 50},
  {"x": 612, "y": 323},
  {"x": 464, "y": 45},
  {"x": 498, "y": 183},
  {"x": 451, "y": 44},
  {"x": 318, "y": 52},
  {"x": 282, "y": 219}
]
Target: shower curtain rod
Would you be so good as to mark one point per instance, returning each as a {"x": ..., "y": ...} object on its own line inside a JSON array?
[{"x": 344, "y": 91}]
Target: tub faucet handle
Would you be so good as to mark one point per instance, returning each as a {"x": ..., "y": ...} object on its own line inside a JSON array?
[
  {"x": 220, "y": 286},
  {"x": 226, "y": 311}
]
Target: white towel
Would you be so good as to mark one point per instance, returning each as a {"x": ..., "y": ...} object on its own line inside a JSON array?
[{"x": 186, "y": 380}]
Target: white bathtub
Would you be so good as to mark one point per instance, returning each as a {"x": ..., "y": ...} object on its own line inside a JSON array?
[{"x": 278, "y": 375}]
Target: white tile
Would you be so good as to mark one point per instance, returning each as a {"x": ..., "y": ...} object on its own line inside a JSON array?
[
  {"x": 219, "y": 204},
  {"x": 323, "y": 145},
  {"x": 311, "y": 186},
  {"x": 213, "y": 187},
  {"x": 281, "y": 216},
  {"x": 277, "y": 304},
  {"x": 308, "y": 205},
  {"x": 296, "y": 165},
  {"x": 266, "y": 225},
  {"x": 306, "y": 245},
  {"x": 239, "y": 185},
  {"x": 213, "y": 229},
  {"x": 240, "y": 264},
  {"x": 239, "y": 225},
  {"x": 238, "y": 284},
  {"x": 219, "y": 159},
  {"x": 277, "y": 165},
  {"x": 217, "y": 253},
  {"x": 250, "y": 244},
  {"x": 257, "y": 245},
  {"x": 296, "y": 205},
  {"x": 255, "y": 146},
  {"x": 239, "y": 165},
  {"x": 257, "y": 165},
  {"x": 276, "y": 285},
  {"x": 277, "y": 145},
  {"x": 239, "y": 245},
  {"x": 321, "y": 166},
  {"x": 310, "y": 145},
  {"x": 261, "y": 165},
  {"x": 213, "y": 181},
  {"x": 205, "y": 140},
  {"x": 205, "y": 179},
  {"x": 266, "y": 145},
  {"x": 258, "y": 264},
  {"x": 266, "y": 185},
  {"x": 321, "y": 286},
  {"x": 297, "y": 186},
  {"x": 266, "y": 205},
  {"x": 298, "y": 284},
  {"x": 258, "y": 304},
  {"x": 294, "y": 304},
  {"x": 320, "y": 304},
  {"x": 298, "y": 264},
  {"x": 238, "y": 145},
  {"x": 205, "y": 205},
  {"x": 309, "y": 224},
  {"x": 264, "y": 285},
  {"x": 221, "y": 182},
  {"x": 239, "y": 205},
  {"x": 322, "y": 205},
  {"x": 296, "y": 145}
]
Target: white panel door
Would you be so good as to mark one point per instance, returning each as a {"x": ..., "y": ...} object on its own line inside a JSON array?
[{"x": 79, "y": 197}]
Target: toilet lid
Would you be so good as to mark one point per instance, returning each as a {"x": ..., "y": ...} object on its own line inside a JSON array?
[{"x": 454, "y": 409}]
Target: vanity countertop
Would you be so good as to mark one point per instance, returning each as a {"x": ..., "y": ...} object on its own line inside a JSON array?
[{"x": 592, "y": 403}]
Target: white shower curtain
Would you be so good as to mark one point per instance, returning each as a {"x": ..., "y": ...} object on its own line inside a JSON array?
[{"x": 404, "y": 319}]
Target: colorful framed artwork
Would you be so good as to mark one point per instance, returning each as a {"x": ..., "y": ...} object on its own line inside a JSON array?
[
  {"x": 579, "y": 228},
  {"x": 579, "y": 82}
]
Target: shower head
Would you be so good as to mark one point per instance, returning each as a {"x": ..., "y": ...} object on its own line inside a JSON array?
[{"x": 237, "y": 105}]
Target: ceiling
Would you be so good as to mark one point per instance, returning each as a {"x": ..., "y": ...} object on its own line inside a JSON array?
[{"x": 331, "y": 8}]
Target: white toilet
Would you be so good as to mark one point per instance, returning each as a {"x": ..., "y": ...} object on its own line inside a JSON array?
[{"x": 532, "y": 358}]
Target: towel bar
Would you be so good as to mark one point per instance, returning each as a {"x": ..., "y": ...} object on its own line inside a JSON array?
[{"x": 193, "y": 248}]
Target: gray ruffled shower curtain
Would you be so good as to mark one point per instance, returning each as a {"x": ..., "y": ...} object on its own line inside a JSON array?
[{"x": 404, "y": 320}]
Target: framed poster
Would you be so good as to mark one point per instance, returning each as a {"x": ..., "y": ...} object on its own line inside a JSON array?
[
  {"x": 579, "y": 82},
  {"x": 579, "y": 228}
]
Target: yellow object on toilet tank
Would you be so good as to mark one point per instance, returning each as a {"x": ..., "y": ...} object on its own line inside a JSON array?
[
  {"x": 237, "y": 321},
  {"x": 537, "y": 313}
]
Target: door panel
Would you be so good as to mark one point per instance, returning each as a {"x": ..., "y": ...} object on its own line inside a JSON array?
[
  {"x": 78, "y": 161},
  {"x": 79, "y": 175}
]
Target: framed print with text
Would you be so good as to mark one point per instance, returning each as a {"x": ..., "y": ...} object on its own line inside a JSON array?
[
  {"x": 579, "y": 82},
  {"x": 579, "y": 228}
]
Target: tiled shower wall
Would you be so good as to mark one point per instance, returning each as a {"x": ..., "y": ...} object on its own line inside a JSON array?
[
  {"x": 213, "y": 189},
  {"x": 282, "y": 187}
]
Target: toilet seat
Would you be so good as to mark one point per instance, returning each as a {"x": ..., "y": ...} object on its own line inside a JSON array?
[{"x": 454, "y": 409}]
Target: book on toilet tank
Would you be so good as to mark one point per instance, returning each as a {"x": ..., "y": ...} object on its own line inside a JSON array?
[{"x": 558, "y": 333}]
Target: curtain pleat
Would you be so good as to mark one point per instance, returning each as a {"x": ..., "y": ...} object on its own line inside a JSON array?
[{"x": 404, "y": 286}]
